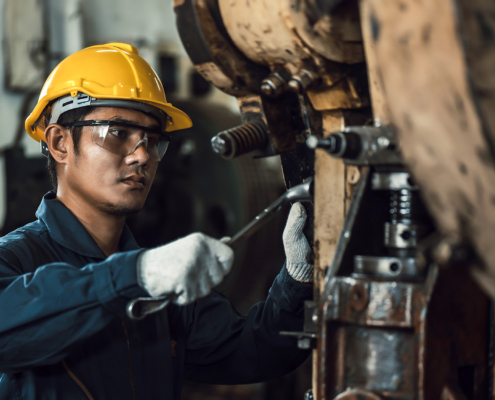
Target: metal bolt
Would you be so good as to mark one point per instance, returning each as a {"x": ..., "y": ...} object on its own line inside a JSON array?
[
  {"x": 302, "y": 80},
  {"x": 218, "y": 145},
  {"x": 295, "y": 86},
  {"x": 312, "y": 142},
  {"x": 315, "y": 143},
  {"x": 314, "y": 317},
  {"x": 383, "y": 142},
  {"x": 268, "y": 88},
  {"x": 273, "y": 85}
]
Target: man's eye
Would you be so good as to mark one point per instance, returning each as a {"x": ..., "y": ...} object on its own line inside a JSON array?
[
  {"x": 153, "y": 140},
  {"x": 119, "y": 133}
]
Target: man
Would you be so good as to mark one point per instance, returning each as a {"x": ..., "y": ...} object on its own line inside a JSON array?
[{"x": 66, "y": 279}]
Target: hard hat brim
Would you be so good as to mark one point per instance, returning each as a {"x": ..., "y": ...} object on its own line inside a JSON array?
[{"x": 178, "y": 119}]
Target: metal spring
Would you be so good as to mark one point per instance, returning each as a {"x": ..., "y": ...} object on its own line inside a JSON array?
[
  {"x": 401, "y": 206},
  {"x": 244, "y": 138}
]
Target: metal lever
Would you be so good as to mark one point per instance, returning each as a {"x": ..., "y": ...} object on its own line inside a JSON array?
[{"x": 301, "y": 192}]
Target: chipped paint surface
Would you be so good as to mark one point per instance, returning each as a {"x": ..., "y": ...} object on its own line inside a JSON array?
[
  {"x": 431, "y": 101},
  {"x": 213, "y": 74},
  {"x": 373, "y": 303},
  {"x": 281, "y": 32}
]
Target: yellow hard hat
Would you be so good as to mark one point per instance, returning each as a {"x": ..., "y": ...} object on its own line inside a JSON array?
[{"x": 107, "y": 75}]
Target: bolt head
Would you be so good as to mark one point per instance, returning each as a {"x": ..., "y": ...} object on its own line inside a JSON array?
[
  {"x": 295, "y": 86},
  {"x": 383, "y": 142},
  {"x": 267, "y": 89},
  {"x": 218, "y": 145},
  {"x": 314, "y": 317},
  {"x": 312, "y": 142}
]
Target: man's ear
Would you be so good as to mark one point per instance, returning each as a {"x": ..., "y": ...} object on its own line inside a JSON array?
[{"x": 58, "y": 140}]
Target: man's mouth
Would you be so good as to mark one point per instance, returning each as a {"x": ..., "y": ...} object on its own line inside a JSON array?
[{"x": 135, "y": 181}]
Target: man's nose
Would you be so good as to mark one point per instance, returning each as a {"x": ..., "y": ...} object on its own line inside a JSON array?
[{"x": 139, "y": 155}]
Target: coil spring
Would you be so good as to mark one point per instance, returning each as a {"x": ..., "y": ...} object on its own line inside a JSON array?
[
  {"x": 243, "y": 139},
  {"x": 401, "y": 202},
  {"x": 406, "y": 207}
]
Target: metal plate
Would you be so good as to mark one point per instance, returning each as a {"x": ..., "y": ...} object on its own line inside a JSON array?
[
  {"x": 392, "y": 181},
  {"x": 401, "y": 236},
  {"x": 387, "y": 267},
  {"x": 373, "y": 303}
]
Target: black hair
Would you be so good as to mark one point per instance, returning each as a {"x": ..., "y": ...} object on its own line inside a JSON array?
[{"x": 67, "y": 117}]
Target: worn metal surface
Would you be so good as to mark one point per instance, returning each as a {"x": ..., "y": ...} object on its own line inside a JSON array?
[
  {"x": 345, "y": 234},
  {"x": 212, "y": 52},
  {"x": 412, "y": 340},
  {"x": 348, "y": 92},
  {"x": 332, "y": 191},
  {"x": 282, "y": 32},
  {"x": 441, "y": 114},
  {"x": 392, "y": 181},
  {"x": 404, "y": 340},
  {"x": 372, "y": 303},
  {"x": 401, "y": 235},
  {"x": 377, "y": 145},
  {"x": 389, "y": 267}
]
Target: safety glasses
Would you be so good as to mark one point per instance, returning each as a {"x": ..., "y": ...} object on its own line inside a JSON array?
[{"x": 124, "y": 138}]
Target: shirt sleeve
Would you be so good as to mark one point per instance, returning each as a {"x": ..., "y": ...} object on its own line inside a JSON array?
[
  {"x": 44, "y": 314},
  {"x": 224, "y": 347}
]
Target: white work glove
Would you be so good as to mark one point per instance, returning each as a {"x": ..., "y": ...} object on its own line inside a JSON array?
[
  {"x": 189, "y": 267},
  {"x": 297, "y": 248}
]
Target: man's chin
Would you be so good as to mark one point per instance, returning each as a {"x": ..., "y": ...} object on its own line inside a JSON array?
[{"x": 120, "y": 210}]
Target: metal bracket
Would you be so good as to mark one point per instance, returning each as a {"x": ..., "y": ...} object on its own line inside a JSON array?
[{"x": 307, "y": 339}]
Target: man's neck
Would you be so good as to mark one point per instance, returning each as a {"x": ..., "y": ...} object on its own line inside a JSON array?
[{"x": 104, "y": 228}]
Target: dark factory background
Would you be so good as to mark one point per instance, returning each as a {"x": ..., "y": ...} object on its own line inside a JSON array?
[{"x": 194, "y": 189}]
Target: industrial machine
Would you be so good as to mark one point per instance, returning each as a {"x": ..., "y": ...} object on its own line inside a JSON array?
[{"x": 387, "y": 104}]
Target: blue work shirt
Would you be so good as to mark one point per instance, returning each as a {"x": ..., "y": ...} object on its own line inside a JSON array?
[{"x": 64, "y": 333}]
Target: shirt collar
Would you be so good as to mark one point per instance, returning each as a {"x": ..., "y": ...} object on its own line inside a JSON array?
[{"x": 67, "y": 231}]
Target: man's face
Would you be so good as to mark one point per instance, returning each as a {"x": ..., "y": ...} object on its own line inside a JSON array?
[{"x": 110, "y": 182}]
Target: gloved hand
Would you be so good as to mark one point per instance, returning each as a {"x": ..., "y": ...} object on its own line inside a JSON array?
[
  {"x": 297, "y": 248},
  {"x": 192, "y": 265}
]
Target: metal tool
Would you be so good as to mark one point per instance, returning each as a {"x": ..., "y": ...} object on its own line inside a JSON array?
[
  {"x": 302, "y": 192},
  {"x": 139, "y": 308}
]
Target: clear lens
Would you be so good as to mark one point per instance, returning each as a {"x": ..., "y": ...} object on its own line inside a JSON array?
[{"x": 124, "y": 140}]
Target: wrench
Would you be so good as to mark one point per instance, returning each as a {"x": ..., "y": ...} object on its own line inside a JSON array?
[
  {"x": 301, "y": 192},
  {"x": 139, "y": 308}
]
